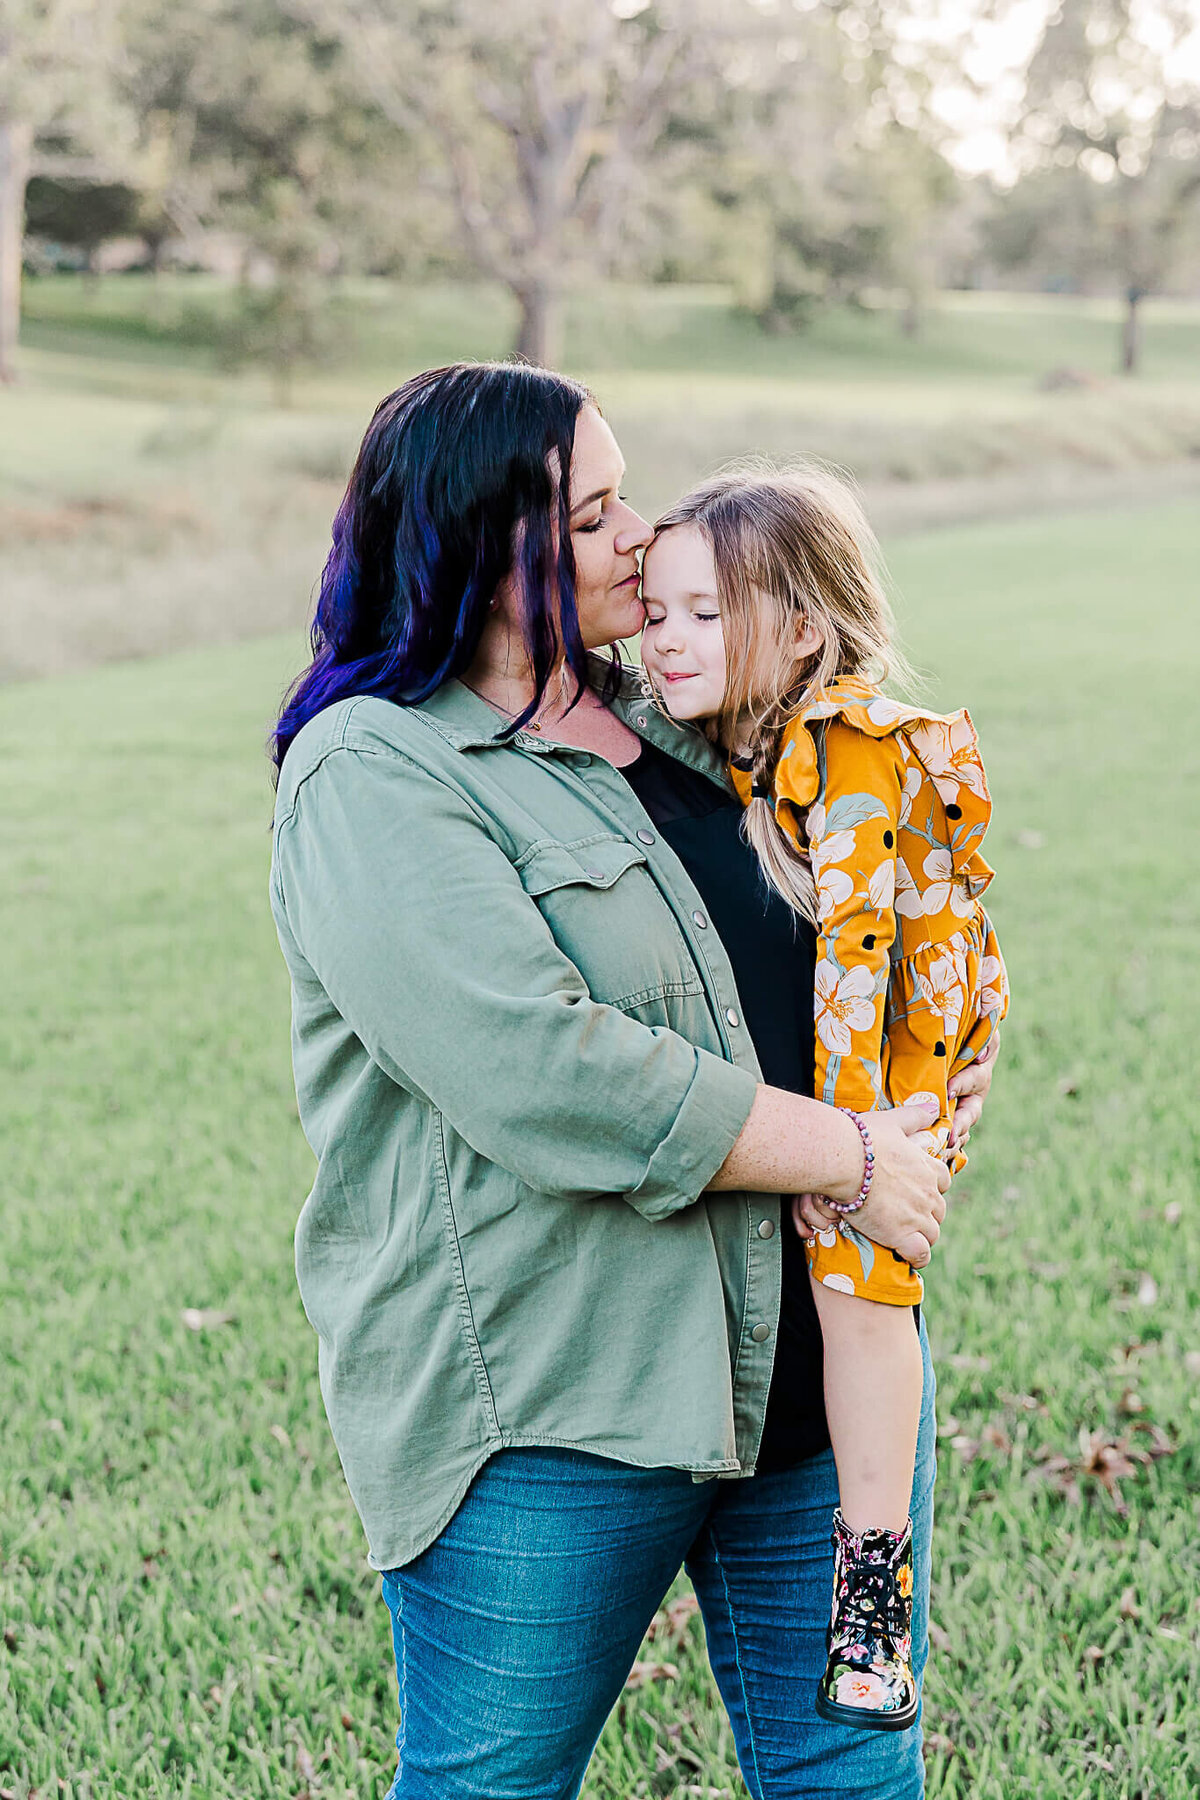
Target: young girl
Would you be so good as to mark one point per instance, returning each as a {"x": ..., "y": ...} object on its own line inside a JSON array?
[{"x": 766, "y": 622}]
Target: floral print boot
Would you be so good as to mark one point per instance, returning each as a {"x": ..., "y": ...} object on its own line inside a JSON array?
[{"x": 868, "y": 1680}]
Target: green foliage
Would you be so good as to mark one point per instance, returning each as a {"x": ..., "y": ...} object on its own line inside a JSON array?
[{"x": 185, "y": 1606}]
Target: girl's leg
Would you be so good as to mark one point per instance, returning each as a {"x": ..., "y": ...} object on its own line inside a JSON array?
[
  {"x": 873, "y": 1403},
  {"x": 516, "y": 1629},
  {"x": 762, "y": 1567}
]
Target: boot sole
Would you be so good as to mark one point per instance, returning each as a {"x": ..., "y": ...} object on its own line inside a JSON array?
[{"x": 866, "y": 1721}]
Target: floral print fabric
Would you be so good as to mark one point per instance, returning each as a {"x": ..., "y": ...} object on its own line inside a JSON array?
[
  {"x": 890, "y": 804},
  {"x": 869, "y": 1669}
]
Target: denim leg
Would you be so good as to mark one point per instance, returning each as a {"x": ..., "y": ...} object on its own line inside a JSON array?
[
  {"x": 515, "y": 1630},
  {"x": 762, "y": 1566}
]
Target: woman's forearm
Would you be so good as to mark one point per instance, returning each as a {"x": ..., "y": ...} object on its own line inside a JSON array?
[{"x": 792, "y": 1145}]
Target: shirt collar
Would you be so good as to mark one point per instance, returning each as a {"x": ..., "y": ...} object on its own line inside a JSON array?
[{"x": 469, "y": 723}]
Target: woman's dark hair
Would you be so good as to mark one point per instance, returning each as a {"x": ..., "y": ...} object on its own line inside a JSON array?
[{"x": 463, "y": 472}]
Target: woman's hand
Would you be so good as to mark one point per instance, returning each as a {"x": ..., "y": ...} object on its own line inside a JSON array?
[
  {"x": 969, "y": 1089},
  {"x": 905, "y": 1207}
]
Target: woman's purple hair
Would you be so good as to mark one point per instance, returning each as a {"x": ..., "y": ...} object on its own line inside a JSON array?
[{"x": 463, "y": 472}]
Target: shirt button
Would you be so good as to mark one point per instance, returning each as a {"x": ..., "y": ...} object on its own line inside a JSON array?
[
  {"x": 761, "y": 1333},
  {"x": 766, "y": 1228},
  {"x": 594, "y": 874},
  {"x": 645, "y": 837},
  {"x": 732, "y": 1018},
  {"x": 699, "y": 919},
  {"x": 582, "y": 762}
]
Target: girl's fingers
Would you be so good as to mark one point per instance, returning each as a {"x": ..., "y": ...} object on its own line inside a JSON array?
[
  {"x": 803, "y": 1228},
  {"x": 967, "y": 1115},
  {"x": 976, "y": 1078}
]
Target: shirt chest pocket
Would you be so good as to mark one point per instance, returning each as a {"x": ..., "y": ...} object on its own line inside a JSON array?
[{"x": 606, "y": 912}]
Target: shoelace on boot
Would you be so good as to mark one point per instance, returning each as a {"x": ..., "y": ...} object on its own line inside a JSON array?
[{"x": 875, "y": 1583}]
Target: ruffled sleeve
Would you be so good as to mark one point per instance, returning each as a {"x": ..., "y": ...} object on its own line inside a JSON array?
[{"x": 944, "y": 747}]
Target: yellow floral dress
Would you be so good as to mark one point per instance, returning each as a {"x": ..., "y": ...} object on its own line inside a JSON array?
[{"x": 891, "y": 805}]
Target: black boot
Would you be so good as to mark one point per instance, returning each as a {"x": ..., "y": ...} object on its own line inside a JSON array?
[{"x": 868, "y": 1680}]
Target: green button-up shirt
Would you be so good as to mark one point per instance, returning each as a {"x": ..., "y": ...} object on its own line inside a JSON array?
[{"x": 519, "y": 1060}]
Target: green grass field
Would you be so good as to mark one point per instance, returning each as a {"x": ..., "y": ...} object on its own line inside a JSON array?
[{"x": 185, "y": 1603}]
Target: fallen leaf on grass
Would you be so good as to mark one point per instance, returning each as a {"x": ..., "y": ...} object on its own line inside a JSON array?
[
  {"x": 1172, "y": 1212},
  {"x": 1031, "y": 840},
  {"x": 938, "y": 1744},
  {"x": 1030, "y": 1403},
  {"x": 206, "y": 1318},
  {"x": 643, "y": 1672},
  {"x": 281, "y": 1436},
  {"x": 669, "y": 1625},
  {"x": 1093, "y": 1656},
  {"x": 1130, "y": 1404},
  {"x": 939, "y": 1637},
  {"x": 996, "y": 1436},
  {"x": 10, "y": 1637},
  {"x": 1104, "y": 1460},
  {"x": 1128, "y": 1607},
  {"x": 1191, "y": 1362},
  {"x": 305, "y": 1764},
  {"x": 1147, "y": 1290}
]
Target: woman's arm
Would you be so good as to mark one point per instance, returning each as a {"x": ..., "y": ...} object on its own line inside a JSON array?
[{"x": 790, "y": 1144}]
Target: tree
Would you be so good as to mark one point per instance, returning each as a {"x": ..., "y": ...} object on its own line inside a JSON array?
[
  {"x": 249, "y": 121},
  {"x": 57, "y": 60},
  {"x": 1102, "y": 99},
  {"x": 537, "y": 118},
  {"x": 830, "y": 179}
]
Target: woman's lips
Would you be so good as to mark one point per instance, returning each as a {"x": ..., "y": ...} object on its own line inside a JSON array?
[{"x": 630, "y": 580}]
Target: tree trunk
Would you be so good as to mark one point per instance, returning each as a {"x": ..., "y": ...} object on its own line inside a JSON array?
[
  {"x": 911, "y": 315},
  {"x": 1131, "y": 331},
  {"x": 540, "y": 337},
  {"x": 16, "y": 149}
]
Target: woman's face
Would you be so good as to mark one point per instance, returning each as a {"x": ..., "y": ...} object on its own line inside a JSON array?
[
  {"x": 683, "y": 645},
  {"x": 606, "y": 535}
]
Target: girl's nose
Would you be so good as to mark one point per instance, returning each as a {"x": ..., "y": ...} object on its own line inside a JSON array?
[{"x": 668, "y": 638}]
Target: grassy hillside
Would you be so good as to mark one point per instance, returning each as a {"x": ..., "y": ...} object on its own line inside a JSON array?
[
  {"x": 183, "y": 1590},
  {"x": 149, "y": 500}
]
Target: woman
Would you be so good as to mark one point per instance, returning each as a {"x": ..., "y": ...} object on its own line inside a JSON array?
[{"x": 543, "y": 1251}]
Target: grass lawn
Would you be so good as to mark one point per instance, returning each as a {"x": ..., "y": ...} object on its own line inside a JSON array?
[{"x": 185, "y": 1604}]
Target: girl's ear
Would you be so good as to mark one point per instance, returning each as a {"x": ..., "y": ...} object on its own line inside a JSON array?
[{"x": 809, "y": 638}]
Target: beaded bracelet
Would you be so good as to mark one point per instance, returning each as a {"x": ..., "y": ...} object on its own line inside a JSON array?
[{"x": 852, "y": 1206}]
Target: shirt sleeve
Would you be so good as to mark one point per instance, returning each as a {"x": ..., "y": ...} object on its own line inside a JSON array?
[
  {"x": 854, "y": 866},
  {"x": 414, "y": 920}
]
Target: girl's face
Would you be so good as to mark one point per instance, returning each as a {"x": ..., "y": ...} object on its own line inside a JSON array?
[{"x": 683, "y": 645}]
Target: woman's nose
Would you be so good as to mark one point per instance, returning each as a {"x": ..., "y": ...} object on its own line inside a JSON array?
[{"x": 634, "y": 533}]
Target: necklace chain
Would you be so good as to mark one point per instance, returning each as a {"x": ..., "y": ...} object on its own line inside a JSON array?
[{"x": 531, "y": 725}]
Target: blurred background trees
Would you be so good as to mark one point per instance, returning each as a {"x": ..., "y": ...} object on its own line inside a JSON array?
[{"x": 795, "y": 149}]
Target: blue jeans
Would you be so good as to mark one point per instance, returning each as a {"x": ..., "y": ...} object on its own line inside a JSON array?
[{"x": 515, "y": 1630}]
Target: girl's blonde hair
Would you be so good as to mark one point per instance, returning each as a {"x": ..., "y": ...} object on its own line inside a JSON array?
[{"x": 792, "y": 548}]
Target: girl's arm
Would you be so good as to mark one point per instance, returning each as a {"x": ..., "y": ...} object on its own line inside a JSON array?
[{"x": 853, "y": 850}]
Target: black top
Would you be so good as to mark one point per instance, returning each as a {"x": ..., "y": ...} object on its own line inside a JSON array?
[{"x": 773, "y": 952}]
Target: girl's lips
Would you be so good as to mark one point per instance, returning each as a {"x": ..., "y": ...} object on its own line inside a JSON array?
[{"x": 678, "y": 677}]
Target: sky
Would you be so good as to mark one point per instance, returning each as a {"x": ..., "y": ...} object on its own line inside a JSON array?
[{"x": 1000, "y": 36}]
